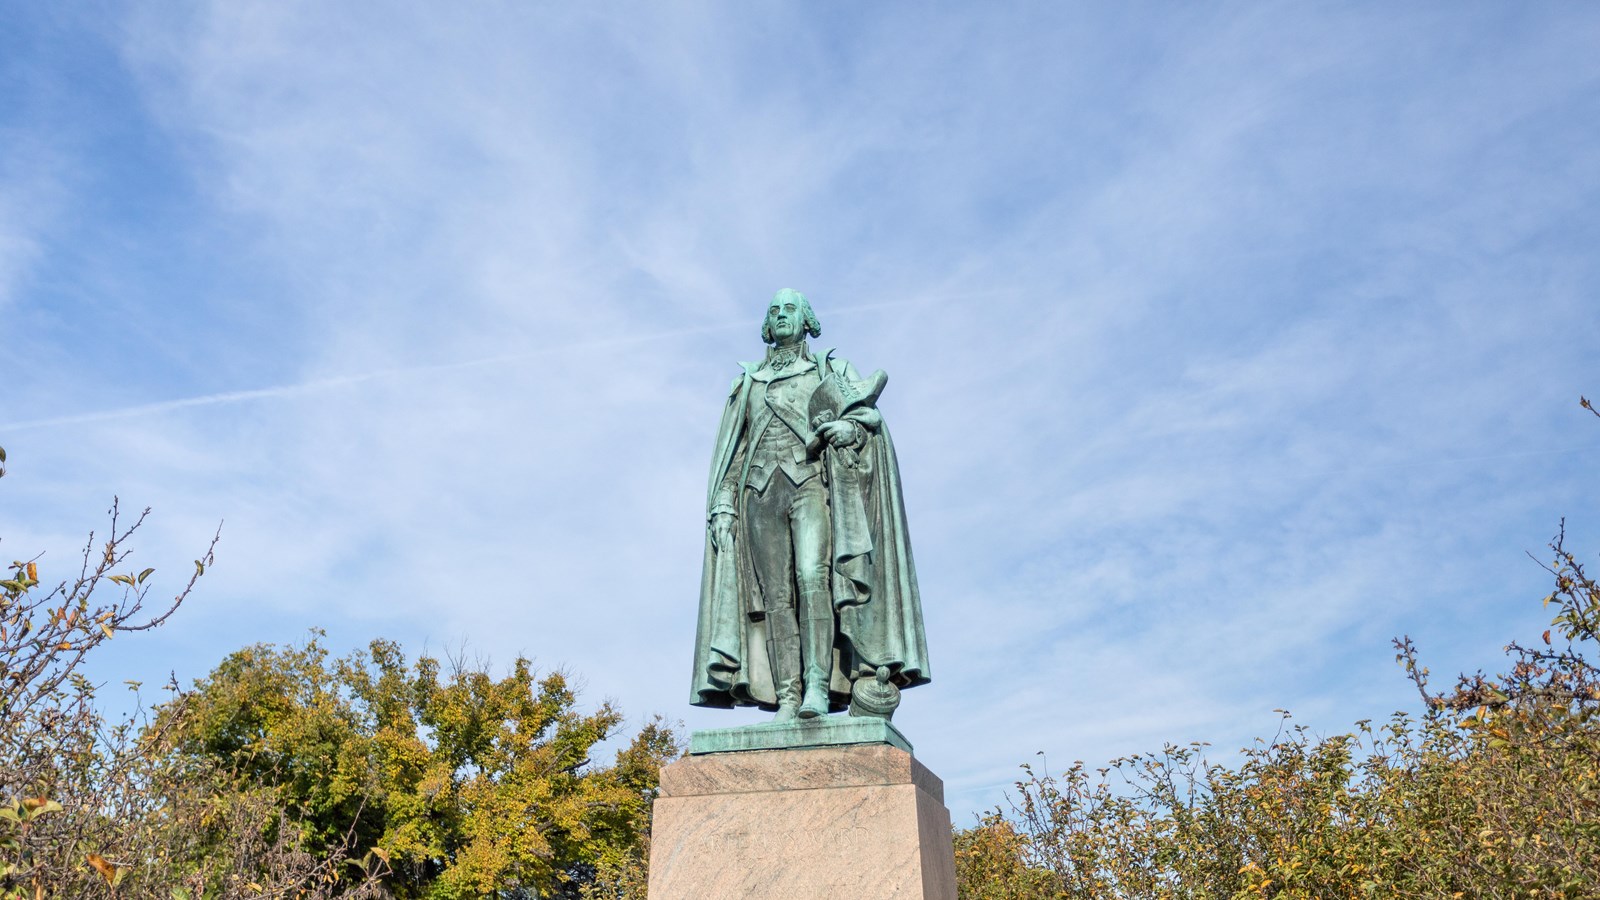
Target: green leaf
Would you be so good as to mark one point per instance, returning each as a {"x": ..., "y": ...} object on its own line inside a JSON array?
[{"x": 145, "y": 574}]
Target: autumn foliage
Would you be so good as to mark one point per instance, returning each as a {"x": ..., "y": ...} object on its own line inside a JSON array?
[
  {"x": 462, "y": 784},
  {"x": 288, "y": 774},
  {"x": 1492, "y": 790}
]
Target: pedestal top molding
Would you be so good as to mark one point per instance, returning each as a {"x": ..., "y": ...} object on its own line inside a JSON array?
[{"x": 829, "y": 731}]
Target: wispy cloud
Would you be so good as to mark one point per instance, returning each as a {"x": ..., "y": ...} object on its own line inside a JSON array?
[
  {"x": 1223, "y": 344},
  {"x": 31, "y": 195},
  {"x": 315, "y": 385}
]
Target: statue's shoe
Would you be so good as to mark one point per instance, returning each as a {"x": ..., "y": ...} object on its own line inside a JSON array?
[{"x": 816, "y": 704}]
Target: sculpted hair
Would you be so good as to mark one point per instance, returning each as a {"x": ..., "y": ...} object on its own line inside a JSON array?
[{"x": 813, "y": 327}]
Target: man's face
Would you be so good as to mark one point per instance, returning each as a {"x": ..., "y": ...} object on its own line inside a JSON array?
[{"x": 785, "y": 320}]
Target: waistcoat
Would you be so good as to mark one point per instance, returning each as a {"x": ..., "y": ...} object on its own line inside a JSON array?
[{"x": 781, "y": 445}]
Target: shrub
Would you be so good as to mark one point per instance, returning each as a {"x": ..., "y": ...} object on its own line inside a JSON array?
[{"x": 1493, "y": 791}]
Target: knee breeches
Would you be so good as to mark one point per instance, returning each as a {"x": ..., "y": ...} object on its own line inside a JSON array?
[{"x": 787, "y": 525}]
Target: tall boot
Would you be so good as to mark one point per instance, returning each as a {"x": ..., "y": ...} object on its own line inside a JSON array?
[
  {"x": 783, "y": 651},
  {"x": 816, "y": 645}
]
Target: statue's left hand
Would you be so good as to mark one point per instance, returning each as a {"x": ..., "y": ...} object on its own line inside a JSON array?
[{"x": 839, "y": 433}]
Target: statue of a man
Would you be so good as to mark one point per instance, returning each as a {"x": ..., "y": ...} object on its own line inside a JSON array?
[{"x": 808, "y": 597}]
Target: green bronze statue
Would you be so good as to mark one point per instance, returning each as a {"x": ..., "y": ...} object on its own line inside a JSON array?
[{"x": 808, "y": 596}]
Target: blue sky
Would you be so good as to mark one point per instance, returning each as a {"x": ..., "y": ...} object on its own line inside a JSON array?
[{"x": 1226, "y": 342}]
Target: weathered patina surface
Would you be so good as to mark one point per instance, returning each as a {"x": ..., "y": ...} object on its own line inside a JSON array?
[{"x": 808, "y": 597}]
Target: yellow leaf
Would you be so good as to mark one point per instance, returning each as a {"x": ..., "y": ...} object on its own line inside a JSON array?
[
  {"x": 33, "y": 572},
  {"x": 105, "y": 629},
  {"x": 106, "y": 868}
]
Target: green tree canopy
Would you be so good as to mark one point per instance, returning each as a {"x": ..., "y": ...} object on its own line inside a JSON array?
[{"x": 465, "y": 784}]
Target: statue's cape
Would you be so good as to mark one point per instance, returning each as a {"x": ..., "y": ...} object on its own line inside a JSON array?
[{"x": 874, "y": 579}]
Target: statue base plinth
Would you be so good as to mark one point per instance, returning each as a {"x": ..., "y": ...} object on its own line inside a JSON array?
[
  {"x": 823, "y": 731},
  {"x": 859, "y": 820}
]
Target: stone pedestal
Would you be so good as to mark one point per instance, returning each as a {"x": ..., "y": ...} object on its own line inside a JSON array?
[{"x": 860, "y": 821}]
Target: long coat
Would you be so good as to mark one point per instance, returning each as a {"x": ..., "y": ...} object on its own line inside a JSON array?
[{"x": 878, "y": 612}]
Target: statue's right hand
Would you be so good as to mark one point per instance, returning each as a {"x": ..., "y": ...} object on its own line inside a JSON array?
[{"x": 722, "y": 532}]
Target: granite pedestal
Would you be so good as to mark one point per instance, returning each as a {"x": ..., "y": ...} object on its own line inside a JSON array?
[{"x": 860, "y": 820}]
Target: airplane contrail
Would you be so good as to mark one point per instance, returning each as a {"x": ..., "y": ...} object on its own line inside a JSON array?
[
  {"x": 320, "y": 384},
  {"x": 281, "y": 390}
]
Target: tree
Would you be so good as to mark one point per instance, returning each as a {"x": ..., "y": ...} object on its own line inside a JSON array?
[
  {"x": 465, "y": 784},
  {"x": 64, "y": 777},
  {"x": 283, "y": 774},
  {"x": 98, "y": 808}
]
